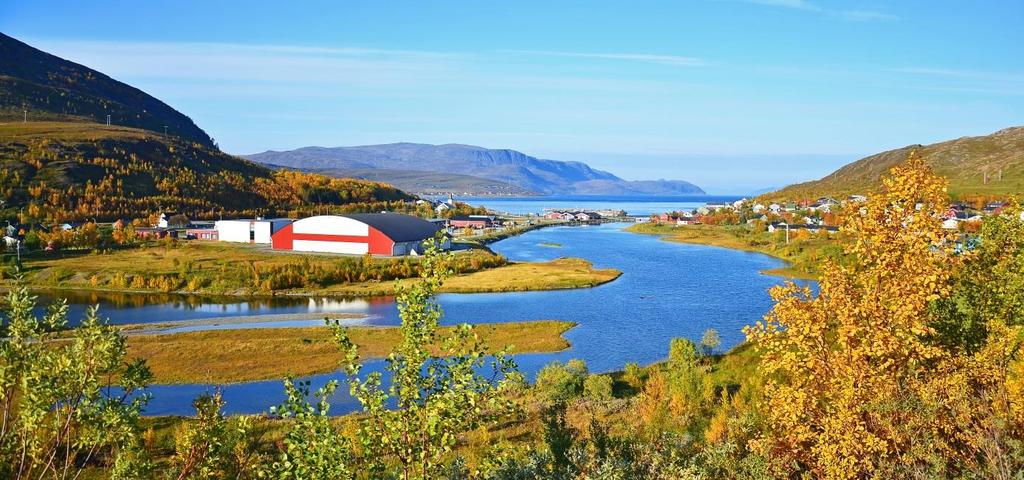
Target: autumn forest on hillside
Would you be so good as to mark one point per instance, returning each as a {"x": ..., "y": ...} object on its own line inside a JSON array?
[{"x": 72, "y": 172}]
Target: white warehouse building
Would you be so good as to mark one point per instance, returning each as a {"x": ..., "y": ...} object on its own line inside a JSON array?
[{"x": 257, "y": 230}]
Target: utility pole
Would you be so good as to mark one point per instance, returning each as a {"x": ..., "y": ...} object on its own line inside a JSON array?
[
  {"x": 108, "y": 120},
  {"x": 25, "y": 120},
  {"x": 787, "y": 233}
]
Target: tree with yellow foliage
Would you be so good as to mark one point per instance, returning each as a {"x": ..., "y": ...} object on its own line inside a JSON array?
[{"x": 857, "y": 385}]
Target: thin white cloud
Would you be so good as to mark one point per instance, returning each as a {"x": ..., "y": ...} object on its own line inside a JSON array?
[
  {"x": 851, "y": 15},
  {"x": 964, "y": 81},
  {"x": 672, "y": 60},
  {"x": 865, "y": 16},
  {"x": 955, "y": 73},
  {"x": 797, "y": 4}
]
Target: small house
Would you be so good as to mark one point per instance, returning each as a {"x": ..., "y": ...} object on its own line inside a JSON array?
[
  {"x": 155, "y": 233},
  {"x": 472, "y": 221}
]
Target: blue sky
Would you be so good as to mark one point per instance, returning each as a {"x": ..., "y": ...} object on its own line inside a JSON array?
[{"x": 732, "y": 95}]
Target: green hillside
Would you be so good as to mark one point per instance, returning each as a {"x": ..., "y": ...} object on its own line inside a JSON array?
[
  {"x": 63, "y": 171},
  {"x": 51, "y": 88},
  {"x": 989, "y": 165}
]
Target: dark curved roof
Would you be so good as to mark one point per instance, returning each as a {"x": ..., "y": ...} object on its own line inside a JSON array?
[{"x": 398, "y": 227}]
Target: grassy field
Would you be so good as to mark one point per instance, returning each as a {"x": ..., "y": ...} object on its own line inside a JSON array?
[
  {"x": 73, "y": 131},
  {"x": 557, "y": 274},
  {"x": 804, "y": 254},
  {"x": 229, "y": 356},
  {"x": 235, "y": 269}
]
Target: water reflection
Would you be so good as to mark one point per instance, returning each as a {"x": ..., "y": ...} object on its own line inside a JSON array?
[{"x": 125, "y": 308}]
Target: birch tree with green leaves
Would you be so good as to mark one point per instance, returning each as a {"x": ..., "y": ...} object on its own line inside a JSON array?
[
  {"x": 439, "y": 388},
  {"x": 61, "y": 412}
]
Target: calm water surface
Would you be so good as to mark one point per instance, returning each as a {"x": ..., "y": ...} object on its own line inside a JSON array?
[{"x": 666, "y": 290}]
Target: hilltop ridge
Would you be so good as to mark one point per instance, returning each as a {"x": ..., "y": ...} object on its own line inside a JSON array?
[
  {"x": 52, "y": 88},
  {"x": 987, "y": 165}
]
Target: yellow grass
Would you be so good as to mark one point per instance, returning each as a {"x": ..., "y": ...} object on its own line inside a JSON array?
[
  {"x": 229, "y": 356},
  {"x": 562, "y": 273},
  {"x": 76, "y": 131}
]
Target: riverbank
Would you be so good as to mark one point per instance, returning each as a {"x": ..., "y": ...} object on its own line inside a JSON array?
[
  {"x": 804, "y": 255},
  {"x": 250, "y": 354},
  {"x": 245, "y": 271}
]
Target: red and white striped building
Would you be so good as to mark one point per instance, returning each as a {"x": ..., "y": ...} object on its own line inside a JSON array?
[{"x": 390, "y": 234}]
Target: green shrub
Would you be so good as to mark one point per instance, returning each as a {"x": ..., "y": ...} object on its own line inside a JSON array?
[
  {"x": 635, "y": 375},
  {"x": 682, "y": 353},
  {"x": 598, "y": 387},
  {"x": 559, "y": 382}
]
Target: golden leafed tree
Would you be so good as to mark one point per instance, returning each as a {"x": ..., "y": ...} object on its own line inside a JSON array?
[{"x": 857, "y": 384}]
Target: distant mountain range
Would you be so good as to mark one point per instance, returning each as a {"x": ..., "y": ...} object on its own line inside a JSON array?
[
  {"x": 51, "y": 88},
  {"x": 984, "y": 165},
  {"x": 477, "y": 170}
]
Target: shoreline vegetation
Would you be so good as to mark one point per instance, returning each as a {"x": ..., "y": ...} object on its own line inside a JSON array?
[
  {"x": 729, "y": 371},
  {"x": 241, "y": 355},
  {"x": 227, "y": 270},
  {"x": 803, "y": 254}
]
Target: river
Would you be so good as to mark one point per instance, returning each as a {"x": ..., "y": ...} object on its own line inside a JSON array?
[{"x": 666, "y": 290}]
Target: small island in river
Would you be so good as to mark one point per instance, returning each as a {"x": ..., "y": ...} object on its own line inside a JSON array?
[
  {"x": 249, "y": 354},
  {"x": 242, "y": 270}
]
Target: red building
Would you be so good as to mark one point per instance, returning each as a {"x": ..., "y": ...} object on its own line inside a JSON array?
[
  {"x": 152, "y": 233},
  {"x": 201, "y": 234},
  {"x": 373, "y": 233}
]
